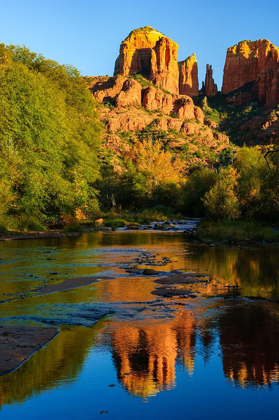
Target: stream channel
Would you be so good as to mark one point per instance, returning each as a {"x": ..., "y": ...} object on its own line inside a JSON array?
[{"x": 124, "y": 348}]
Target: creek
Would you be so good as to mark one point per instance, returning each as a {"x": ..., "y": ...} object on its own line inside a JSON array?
[{"x": 124, "y": 352}]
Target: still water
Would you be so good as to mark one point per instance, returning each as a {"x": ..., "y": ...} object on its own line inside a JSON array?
[{"x": 124, "y": 353}]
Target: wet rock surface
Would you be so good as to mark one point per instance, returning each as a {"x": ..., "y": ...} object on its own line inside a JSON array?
[
  {"x": 133, "y": 281},
  {"x": 69, "y": 284},
  {"x": 187, "y": 226},
  {"x": 170, "y": 292},
  {"x": 17, "y": 344}
]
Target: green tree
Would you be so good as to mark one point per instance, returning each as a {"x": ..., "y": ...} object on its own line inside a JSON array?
[
  {"x": 49, "y": 138},
  {"x": 221, "y": 201}
]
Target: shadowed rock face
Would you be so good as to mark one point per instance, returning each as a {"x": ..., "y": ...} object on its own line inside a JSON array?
[
  {"x": 253, "y": 61},
  {"x": 150, "y": 53},
  {"x": 188, "y": 76}
]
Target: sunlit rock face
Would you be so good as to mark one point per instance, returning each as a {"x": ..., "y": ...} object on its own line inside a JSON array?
[
  {"x": 150, "y": 53},
  {"x": 188, "y": 76},
  {"x": 209, "y": 87},
  {"x": 257, "y": 62}
]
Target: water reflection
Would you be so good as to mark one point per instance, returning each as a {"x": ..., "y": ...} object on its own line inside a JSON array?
[
  {"x": 58, "y": 363},
  {"x": 249, "y": 338},
  {"x": 147, "y": 353},
  {"x": 146, "y": 356}
]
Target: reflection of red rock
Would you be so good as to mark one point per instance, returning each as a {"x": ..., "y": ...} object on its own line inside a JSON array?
[
  {"x": 150, "y": 53},
  {"x": 209, "y": 88},
  {"x": 257, "y": 62},
  {"x": 145, "y": 355},
  {"x": 188, "y": 76}
]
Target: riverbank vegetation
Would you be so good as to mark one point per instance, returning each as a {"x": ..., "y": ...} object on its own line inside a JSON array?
[
  {"x": 49, "y": 135},
  {"x": 54, "y": 170},
  {"x": 237, "y": 231}
]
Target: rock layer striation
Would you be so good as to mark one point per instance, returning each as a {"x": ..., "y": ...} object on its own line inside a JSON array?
[
  {"x": 150, "y": 53},
  {"x": 255, "y": 62},
  {"x": 188, "y": 76}
]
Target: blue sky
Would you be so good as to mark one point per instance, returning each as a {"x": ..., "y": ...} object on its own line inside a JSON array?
[{"x": 87, "y": 34}]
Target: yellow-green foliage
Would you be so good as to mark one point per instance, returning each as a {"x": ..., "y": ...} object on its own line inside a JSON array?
[
  {"x": 221, "y": 201},
  {"x": 239, "y": 230},
  {"x": 49, "y": 136}
]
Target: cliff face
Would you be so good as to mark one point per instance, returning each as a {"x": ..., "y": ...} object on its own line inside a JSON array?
[
  {"x": 257, "y": 62},
  {"x": 209, "y": 88},
  {"x": 150, "y": 53},
  {"x": 122, "y": 92},
  {"x": 129, "y": 106},
  {"x": 188, "y": 76},
  {"x": 253, "y": 64}
]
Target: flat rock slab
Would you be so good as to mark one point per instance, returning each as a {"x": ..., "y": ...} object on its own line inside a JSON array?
[
  {"x": 70, "y": 284},
  {"x": 17, "y": 344},
  {"x": 134, "y": 270},
  {"x": 177, "y": 279},
  {"x": 149, "y": 272},
  {"x": 190, "y": 274},
  {"x": 167, "y": 292}
]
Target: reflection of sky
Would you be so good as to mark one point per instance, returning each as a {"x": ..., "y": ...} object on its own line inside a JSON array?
[
  {"x": 201, "y": 376},
  {"x": 206, "y": 394}
]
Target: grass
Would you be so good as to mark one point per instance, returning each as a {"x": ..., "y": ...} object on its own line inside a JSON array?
[{"x": 239, "y": 230}]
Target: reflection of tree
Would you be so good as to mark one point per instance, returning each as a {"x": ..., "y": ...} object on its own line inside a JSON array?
[
  {"x": 145, "y": 355},
  {"x": 255, "y": 271},
  {"x": 61, "y": 360},
  {"x": 249, "y": 337}
]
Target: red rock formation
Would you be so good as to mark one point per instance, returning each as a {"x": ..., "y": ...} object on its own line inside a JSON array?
[
  {"x": 130, "y": 94},
  {"x": 257, "y": 62},
  {"x": 199, "y": 114},
  {"x": 184, "y": 107},
  {"x": 150, "y": 53},
  {"x": 188, "y": 76},
  {"x": 164, "y": 67},
  {"x": 209, "y": 88},
  {"x": 105, "y": 89},
  {"x": 127, "y": 92},
  {"x": 154, "y": 99},
  {"x": 117, "y": 90}
]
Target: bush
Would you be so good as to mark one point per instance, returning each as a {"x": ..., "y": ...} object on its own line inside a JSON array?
[{"x": 221, "y": 201}]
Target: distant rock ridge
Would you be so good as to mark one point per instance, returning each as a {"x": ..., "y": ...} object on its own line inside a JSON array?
[
  {"x": 255, "y": 62},
  {"x": 251, "y": 72},
  {"x": 150, "y": 53}
]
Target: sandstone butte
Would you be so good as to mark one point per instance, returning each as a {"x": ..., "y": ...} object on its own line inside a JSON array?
[
  {"x": 188, "y": 76},
  {"x": 150, "y": 53},
  {"x": 255, "y": 62},
  {"x": 209, "y": 88}
]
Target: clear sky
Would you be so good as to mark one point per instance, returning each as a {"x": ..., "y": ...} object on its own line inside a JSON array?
[{"x": 87, "y": 34}]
